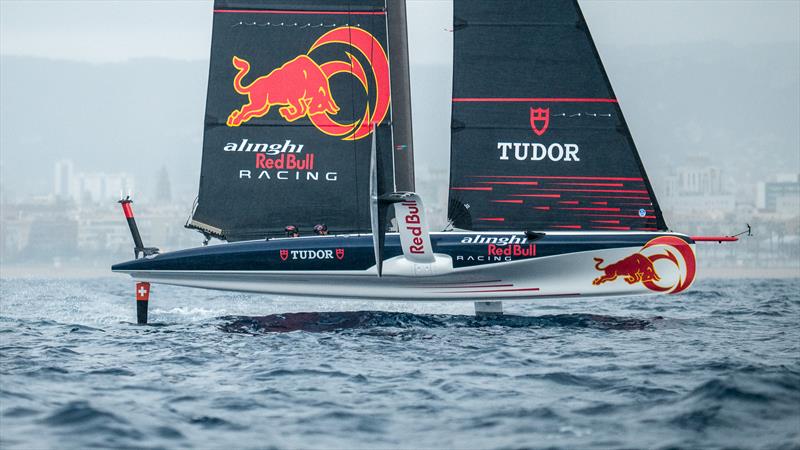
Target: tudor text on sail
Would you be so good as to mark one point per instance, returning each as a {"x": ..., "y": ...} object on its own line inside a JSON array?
[{"x": 524, "y": 151}]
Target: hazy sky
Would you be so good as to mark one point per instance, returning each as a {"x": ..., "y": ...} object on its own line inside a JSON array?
[
  {"x": 100, "y": 31},
  {"x": 719, "y": 60}
]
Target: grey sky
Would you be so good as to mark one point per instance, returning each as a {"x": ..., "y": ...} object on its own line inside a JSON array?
[
  {"x": 100, "y": 31},
  {"x": 712, "y": 65}
]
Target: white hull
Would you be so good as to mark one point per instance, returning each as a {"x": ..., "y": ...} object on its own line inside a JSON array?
[{"x": 565, "y": 275}]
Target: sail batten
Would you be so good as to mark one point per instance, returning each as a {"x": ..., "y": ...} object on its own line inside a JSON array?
[{"x": 532, "y": 103}]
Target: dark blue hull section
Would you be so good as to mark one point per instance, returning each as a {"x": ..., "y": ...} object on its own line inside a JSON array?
[{"x": 355, "y": 252}]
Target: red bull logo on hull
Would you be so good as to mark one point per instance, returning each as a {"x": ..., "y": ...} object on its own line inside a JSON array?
[
  {"x": 636, "y": 268},
  {"x": 641, "y": 266},
  {"x": 300, "y": 88}
]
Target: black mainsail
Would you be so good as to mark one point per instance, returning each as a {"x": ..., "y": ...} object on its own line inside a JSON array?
[
  {"x": 538, "y": 137},
  {"x": 296, "y": 90}
]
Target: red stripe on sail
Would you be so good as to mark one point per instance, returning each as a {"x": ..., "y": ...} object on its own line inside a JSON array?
[
  {"x": 552, "y": 177},
  {"x": 492, "y": 219},
  {"x": 543, "y": 208},
  {"x": 527, "y": 183},
  {"x": 506, "y": 201},
  {"x": 611, "y": 196},
  {"x": 531, "y": 99},
  {"x": 471, "y": 189},
  {"x": 537, "y": 195},
  {"x": 600, "y": 203},
  {"x": 593, "y": 184},
  {"x": 283, "y": 11},
  {"x": 592, "y": 209},
  {"x": 573, "y": 227},
  {"x": 607, "y": 221},
  {"x": 620, "y": 215},
  {"x": 612, "y": 228},
  {"x": 621, "y": 191},
  {"x": 569, "y": 202}
]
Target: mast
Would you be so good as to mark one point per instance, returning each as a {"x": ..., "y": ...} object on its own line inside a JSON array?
[{"x": 403, "y": 148}]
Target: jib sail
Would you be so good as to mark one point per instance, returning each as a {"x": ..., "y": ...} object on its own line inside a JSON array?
[
  {"x": 294, "y": 90},
  {"x": 538, "y": 138}
]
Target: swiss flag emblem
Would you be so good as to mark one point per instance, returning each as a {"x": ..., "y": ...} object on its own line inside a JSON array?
[
  {"x": 540, "y": 120},
  {"x": 284, "y": 254},
  {"x": 142, "y": 291},
  {"x": 340, "y": 253}
]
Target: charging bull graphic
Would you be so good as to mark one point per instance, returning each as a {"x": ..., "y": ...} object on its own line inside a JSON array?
[
  {"x": 301, "y": 87},
  {"x": 635, "y": 268},
  {"x": 640, "y": 267}
]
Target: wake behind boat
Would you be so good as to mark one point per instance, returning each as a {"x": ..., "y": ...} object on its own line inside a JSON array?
[{"x": 308, "y": 121}]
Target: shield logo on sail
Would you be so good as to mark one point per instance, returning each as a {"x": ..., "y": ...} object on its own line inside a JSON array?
[
  {"x": 284, "y": 254},
  {"x": 340, "y": 253},
  {"x": 540, "y": 120}
]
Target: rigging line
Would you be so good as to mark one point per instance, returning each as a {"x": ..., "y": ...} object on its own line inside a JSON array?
[{"x": 748, "y": 231}]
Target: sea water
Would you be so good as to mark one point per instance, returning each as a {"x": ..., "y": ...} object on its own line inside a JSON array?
[{"x": 718, "y": 366}]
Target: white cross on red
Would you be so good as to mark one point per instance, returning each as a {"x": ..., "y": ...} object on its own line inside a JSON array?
[{"x": 142, "y": 291}]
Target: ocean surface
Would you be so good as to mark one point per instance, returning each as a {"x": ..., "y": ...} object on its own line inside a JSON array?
[{"x": 716, "y": 367}]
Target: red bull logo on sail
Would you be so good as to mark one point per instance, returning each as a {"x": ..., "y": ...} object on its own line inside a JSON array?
[{"x": 300, "y": 88}]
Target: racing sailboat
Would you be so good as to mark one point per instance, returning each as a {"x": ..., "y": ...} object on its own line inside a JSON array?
[{"x": 308, "y": 121}]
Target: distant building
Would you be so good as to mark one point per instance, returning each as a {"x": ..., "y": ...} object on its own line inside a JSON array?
[
  {"x": 63, "y": 183},
  {"x": 163, "y": 187},
  {"x": 89, "y": 188},
  {"x": 102, "y": 187},
  {"x": 781, "y": 195},
  {"x": 698, "y": 188}
]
